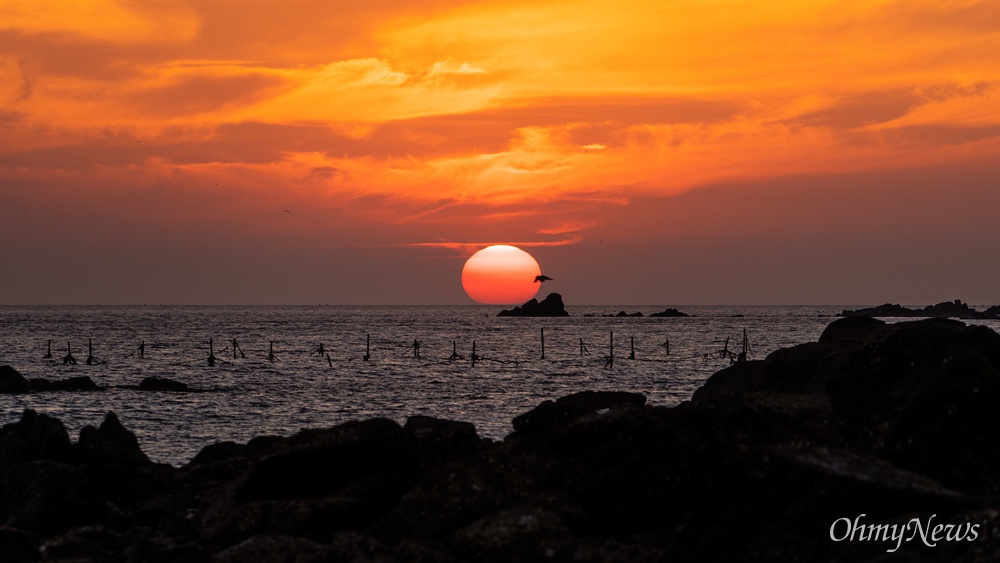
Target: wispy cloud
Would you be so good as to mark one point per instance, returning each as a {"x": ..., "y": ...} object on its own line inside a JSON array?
[{"x": 468, "y": 248}]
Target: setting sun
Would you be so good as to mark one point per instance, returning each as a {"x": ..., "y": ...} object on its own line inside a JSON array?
[{"x": 501, "y": 275}]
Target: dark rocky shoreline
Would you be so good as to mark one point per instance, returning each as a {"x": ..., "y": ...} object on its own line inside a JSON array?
[{"x": 899, "y": 423}]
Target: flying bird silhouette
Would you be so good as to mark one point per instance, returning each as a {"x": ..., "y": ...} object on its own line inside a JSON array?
[{"x": 542, "y": 278}]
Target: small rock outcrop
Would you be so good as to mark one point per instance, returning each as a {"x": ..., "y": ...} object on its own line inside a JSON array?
[
  {"x": 670, "y": 313},
  {"x": 11, "y": 381},
  {"x": 34, "y": 437},
  {"x": 162, "y": 384},
  {"x": 110, "y": 443},
  {"x": 79, "y": 383},
  {"x": 551, "y": 306}
]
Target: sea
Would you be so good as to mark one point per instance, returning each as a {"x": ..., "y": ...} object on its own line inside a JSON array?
[{"x": 296, "y": 367}]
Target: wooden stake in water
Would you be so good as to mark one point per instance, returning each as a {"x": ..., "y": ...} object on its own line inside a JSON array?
[
  {"x": 583, "y": 349},
  {"x": 270, "y": 354},
  {"x": 236, "y": 348},
  {"x": 90, "y": 351},
  {"x": 368, "y": 347},
  {"x": 454, "y": 352},
  {"x": 139, "y": 352},
  {"x": 631, "y": 354},
  {"x": 474, "y": 355},
  {"x": 48, "y": 354},
  {"x": 211, "y": 353},
  {"x": 69, "y": 359},
  {"x": 609, "y": 361}
]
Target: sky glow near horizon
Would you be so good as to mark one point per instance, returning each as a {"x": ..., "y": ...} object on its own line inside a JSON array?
[{"x": 642, "y": 152}]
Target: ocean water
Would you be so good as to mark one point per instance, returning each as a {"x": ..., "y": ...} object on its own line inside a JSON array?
[{"x": 250, "y": 396}]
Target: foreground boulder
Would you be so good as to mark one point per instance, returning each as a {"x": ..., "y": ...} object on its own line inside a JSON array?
[
  {"x": 887, "y": 426},
  {"x": 550, "y": 414},
  {"x": 110, "y": 443},
  {"x": 34, "y": 437}
]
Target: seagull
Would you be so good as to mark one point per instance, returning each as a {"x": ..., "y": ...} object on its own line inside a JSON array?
[
  {"x": 285, "y": 211},
  {"x": 542, "y": 278}
]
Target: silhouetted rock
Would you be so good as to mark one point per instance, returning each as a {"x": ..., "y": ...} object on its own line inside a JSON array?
[
  {"x": 80, "y": 383},
  {"x": 850, "y": 330},
  {"x": 624, "y": 314},
  {"x": 439, "y": 438},
  {"x": 551, "y": 306},
  {"x": 34, "y": 437},
  {"x": 670, "y": 313},
  {"x": 47, "y": 497},
  {"x": 886, "y": 310},
  {"x": 12, "y": 382},
  {"x": 550, "y": 414},
  {"x": 111, "y": 443},
  {"x": 948, "y": 309},
  {"x": 314, "y": 463},
  {"x": 162, "y": 384}
]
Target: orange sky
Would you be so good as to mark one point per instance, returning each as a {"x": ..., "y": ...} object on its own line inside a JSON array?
[{"x": 643, "y": 152}]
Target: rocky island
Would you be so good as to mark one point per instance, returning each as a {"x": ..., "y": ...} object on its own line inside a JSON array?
[
  {"x": 551, "y": 306},
  {"x": 946, "y": 310},
  {"x": 817, "y": 452}
]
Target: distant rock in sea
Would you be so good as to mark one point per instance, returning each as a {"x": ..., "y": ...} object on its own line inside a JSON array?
[
  {"x": 162, "y": 384},
  {"x": 551, "y": 306},
  {"x": 670, "y": 313},
  {"x": 664, "y": 313},
  {"x": 946, "y": 310},
  {"x": 13, "y": 382},
  {"x": 81, "y": 383}
]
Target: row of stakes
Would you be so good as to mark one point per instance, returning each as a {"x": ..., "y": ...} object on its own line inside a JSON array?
[{"x": 609, "y": 359}]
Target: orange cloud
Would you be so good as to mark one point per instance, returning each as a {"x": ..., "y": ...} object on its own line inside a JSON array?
[
  {"x": 100, "y": 20},
  {"x": 407, "y": 111}
]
